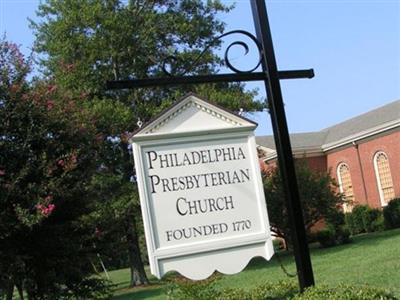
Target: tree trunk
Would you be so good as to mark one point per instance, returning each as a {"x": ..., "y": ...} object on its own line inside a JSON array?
[
  {"x": 9, "y": 288},
  {"x": 20, "y": 289},
  {"x": 138, "y": 275}
]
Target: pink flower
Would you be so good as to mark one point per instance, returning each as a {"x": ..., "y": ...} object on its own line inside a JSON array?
[
  {"x": 97, "y": 232},
  {"x": 73, "y": 158},
  {"x": 61, "y": 163},
  {"x": 50, "y": 104},
  {"x": 46, "y": 211},
  {"x": 2, "y": 172},
  {"x": 51, "y": 88}
]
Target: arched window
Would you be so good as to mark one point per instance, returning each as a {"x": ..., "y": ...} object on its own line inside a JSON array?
[
  {"x": 345, "y": 185},
  {"x": 383, "y": 177}
]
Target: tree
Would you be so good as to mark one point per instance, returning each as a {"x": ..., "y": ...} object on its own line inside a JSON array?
[
  {"x": 87, "y": 42},
  {"x": 48, "y": 156},
  {"x": 318, "y": 197}
]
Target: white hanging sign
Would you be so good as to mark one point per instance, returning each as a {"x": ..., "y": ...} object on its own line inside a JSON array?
[{"x": 201, "y": 192}]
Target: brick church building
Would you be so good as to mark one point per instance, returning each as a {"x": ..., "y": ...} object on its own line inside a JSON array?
[{"x": 362, "y": 154}]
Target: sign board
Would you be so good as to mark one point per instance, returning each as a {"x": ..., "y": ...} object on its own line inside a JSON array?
[{"x": 201, "y": 192}]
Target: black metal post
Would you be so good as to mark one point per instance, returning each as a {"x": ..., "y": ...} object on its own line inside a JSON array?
[{"x": 283, "y": 147}]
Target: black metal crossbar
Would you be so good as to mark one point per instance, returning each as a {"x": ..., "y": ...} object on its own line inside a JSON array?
[{"x": 234, "y": 77}]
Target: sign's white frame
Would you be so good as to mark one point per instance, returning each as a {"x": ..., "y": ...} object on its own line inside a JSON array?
[{"x": 227, "y": 255}]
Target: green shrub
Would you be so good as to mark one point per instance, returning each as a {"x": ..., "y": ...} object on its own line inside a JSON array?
[
  {"x": 343, "y": 235},
  {"x": 364, "y": 219},
  {"x": 345, "y": 292},
  {"x": 326, "y": 237},
  {"x": 379, "y": 223},
  {"x": 283, "y": 290},
  {"x": 330, "y": 236},
  {"x": 336, "y": 218},
  {"x": 185, "y": 289},
  {"x": 373, "y": 220},
  {"x": 391, "y": 214},
  {"x": 348, "y": 217},
  {"x": 267, "y": 291},
  {"x": 357, "y": 219}
]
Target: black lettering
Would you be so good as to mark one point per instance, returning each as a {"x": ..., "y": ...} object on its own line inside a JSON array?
[
  {"x": 181, "y": 212},
  {"x": 241, "y": 154},
  {"x": 164, "y": 159},
  {"x": 177, "y": 234},
  {"x": 204, "y": 158},
  {"x": 211, "y": 202},
  {"x": 151, "y": 156},
  {"x": 223, "y": 227},
  {"x": 165, "y": 184},
  {"x": 245, "y": 173},
  {"x": 214, "y": 228},
  {"x": 169, "y": 235},
  {"x": 196, "y": 230},
  {"x": 226, "y": 154},
  {"x": 192, "y": 206},
  {"x": 195, "y": 157},
  {"x": 221, "y": 177},
  {"x": 229, "y": 202},
  {"x": 174, "y": 181},
  {"x": 189, "y": 235},
  {"x": 218, "y": 153},
  {"x": 154, "y": 183}
]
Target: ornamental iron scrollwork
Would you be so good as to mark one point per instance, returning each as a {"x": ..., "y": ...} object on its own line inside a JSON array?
[{"x": 173, "y": 59}]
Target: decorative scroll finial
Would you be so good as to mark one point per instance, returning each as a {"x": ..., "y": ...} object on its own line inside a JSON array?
[{"x": 171, "y": 59}]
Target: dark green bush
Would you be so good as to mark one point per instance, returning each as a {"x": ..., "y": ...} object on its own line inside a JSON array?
[
  {"x": 373, "y": 220},
  {"x": 268, "y": 291},
  {"x": 357, "y": 219},
  {"x": 336, "y": 231},
  {"x": 331, "y": 236},
  {"x": 336, "y": 218},
  {"x": 391, "y": 214},
  {"x": 90, "y": 288},
  {"x": 343, "y": 235},
  {"x": 185, "y": 289},
  {"x": 348, "y": 217},
  {"x": 284, "y": 290},
  {"x": 326, "y": 237},
  {"x": 345, "y": 292},
  {"x": 364, "y": 219}
]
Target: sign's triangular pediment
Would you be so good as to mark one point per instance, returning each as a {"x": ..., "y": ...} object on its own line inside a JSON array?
[{"x": 193, "y": 114}]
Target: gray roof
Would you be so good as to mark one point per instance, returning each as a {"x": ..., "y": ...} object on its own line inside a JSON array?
[
  {"x": 304, "y": 140},
  {"x": 371, "y": 119},
  {"x": 311, "y": 140}
]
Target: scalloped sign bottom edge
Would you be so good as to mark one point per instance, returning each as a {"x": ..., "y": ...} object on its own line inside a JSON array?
[{"x": 227, "y": 261}]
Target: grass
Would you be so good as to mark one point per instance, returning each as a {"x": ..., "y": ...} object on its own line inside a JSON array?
[{"x": 372, "y": 259}]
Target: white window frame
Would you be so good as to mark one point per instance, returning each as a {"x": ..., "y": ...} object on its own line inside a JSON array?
[
  {"x": 378, "y": 178},
  {"x": 346, "y": 207}
]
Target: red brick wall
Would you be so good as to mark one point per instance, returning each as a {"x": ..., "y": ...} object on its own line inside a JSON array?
[
  {"x": 317, "y": 163},
  {"x": 362, "y": 163}
]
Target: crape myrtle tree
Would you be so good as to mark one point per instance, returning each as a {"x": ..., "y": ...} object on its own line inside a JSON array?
[
  {"x": 83, "y": 43},
  {"x": 48, "y": 147},
  {"x": 318, "y": 195}
]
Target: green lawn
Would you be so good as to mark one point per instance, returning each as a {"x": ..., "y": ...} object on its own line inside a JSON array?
[{"x": 372, "y": 259}]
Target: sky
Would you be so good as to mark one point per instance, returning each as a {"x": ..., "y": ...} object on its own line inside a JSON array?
[{"x": 352, "y": 45}]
